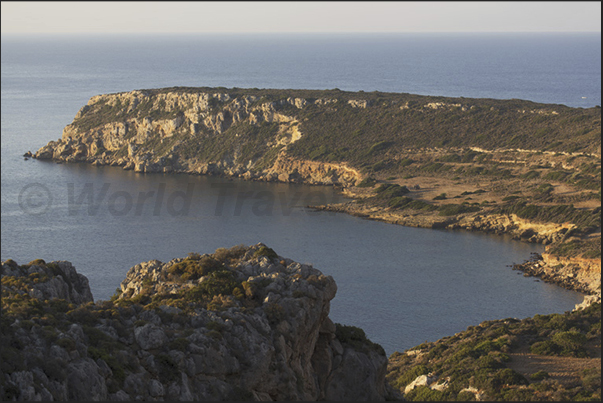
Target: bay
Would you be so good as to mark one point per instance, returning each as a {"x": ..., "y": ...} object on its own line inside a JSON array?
[{"x": 403, "y": 286}]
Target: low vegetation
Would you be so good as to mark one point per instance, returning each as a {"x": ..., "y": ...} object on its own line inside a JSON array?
[{"x": 485, "y": 358}]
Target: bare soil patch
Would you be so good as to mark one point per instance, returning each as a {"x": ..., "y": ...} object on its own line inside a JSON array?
[{"x": 565, "y": 370}]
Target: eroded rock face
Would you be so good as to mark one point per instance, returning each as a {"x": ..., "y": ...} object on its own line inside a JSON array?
[
  {"x": 151, "y": 132},
  {"x": 578, "y": 274},
  {"x": 57, "y": 280},
  {"x": 236, "y": 325}
]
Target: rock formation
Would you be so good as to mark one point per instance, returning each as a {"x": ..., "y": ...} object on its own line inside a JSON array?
[
  {"x": 160, "y": 132},
  {"x": 240, "y": 324},
  {"x": 577, "y": 274}
]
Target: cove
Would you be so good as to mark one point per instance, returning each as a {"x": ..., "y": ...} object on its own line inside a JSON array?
[{"x": 403, "y": 286}]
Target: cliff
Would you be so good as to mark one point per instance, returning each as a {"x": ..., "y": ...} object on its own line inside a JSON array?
[
  {"x": 239, "y": 324},
  {"x": 196, "y": 133}
]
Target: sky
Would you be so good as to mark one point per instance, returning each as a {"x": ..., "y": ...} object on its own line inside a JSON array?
[{"x": 318, "y": 16}]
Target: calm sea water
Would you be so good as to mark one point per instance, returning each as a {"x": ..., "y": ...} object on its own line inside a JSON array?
[{"x": 403, "y": 286}]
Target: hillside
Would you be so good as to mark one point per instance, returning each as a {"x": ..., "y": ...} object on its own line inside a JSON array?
[
  {"x": 553, "y": 357},
  {"x": 239, "y": 324}
]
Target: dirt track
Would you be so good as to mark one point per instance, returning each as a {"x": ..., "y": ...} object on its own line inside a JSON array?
[{"x": 566, "y": 370}]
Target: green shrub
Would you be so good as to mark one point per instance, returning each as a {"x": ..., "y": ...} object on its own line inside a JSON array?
[
  {"x": 367, "y": 182},
  {"x": 179, "y": 344},
  {"x": 54, "y": 370},
  {"x": 36, "y": 262},
  {"x": 506, "y": 377},
  {"x": 489, "y": 362},
  {"x": 11, "y": 263},
  {"x": 379, "y": 166},
  {"x": 424, "y": 394},
  {"x": 220, "y": 282},
  {"x": 238, "y": 292},
  {"x": 547, "y": 347},
  {"x": 465, "y": 396},
  {"x": 356, "y": 337},
  {"x": 545, "y": 188},
  {"x": 298, "y": 294},
  {"x": 117, "y": 368},
  {"x": 454, "y": 209},
  {"x": 571, "y": 343},
  {"x": 83, "y": 315},
  {"x": 539, "y": 376},
  {"x": 591, "y": 378},
  {"x": 399, "y": 202},
  {"x": 405, "y": 202},
  {"x": 194, "y": 268},
  {"x": 167, "y": 369},
  {"x": 236, "y": 252},
  {"x": 274, "y": 312},
  {"x": 565, "y": 343},
  {"x": 408, "y": 376},
  {"x": 405, "y": 162},
  {"x": 531, "y": 175},
  {"x": 557, "y": 175},
  {"x": 379, "y": 146},
  {"x": 387, "y": 191},
  {"x": 433, "y": 167}
]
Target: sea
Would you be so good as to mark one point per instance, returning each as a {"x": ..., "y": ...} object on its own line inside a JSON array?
[{"x": 402, "y": 286}]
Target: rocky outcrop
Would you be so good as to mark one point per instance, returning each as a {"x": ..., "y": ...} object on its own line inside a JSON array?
[
  {"x": 287, "y": 169},
  {"x": 57, "y": 280},
  {"x": 241, "y": 324},
  {"x": 150, "y": 131},
  {"x": 574, "y": 273}
]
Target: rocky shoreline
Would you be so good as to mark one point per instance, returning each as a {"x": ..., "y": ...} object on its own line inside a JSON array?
[
  {"x": 577, "y": 274},
  {"x": 289, "y": 170},
  {"x": 582, "y": 275}
]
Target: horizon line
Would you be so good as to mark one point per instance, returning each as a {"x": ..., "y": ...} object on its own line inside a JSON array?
[{"x": 296, "y": 32}]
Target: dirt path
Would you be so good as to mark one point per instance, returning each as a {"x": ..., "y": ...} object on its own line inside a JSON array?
[{"x": 566, "y": 370}]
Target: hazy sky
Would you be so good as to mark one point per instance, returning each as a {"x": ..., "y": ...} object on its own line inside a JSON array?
[{"x": 221, "y": 17}]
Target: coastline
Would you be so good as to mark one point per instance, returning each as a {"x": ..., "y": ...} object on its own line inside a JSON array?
[
  {"x": 581, "y": 275},
  {"x": 576, "y": 274},
  {"x": 455, "y": 165}
]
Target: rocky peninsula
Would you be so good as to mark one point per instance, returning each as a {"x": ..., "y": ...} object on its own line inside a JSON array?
[
  {"x": 500, "y": 166},
  {"x": 239, "y": 324}
]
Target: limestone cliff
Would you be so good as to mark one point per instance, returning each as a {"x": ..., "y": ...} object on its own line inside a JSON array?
[
  {"x": 240, "y": 324},
  {"x": 201, "y": 132}
]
